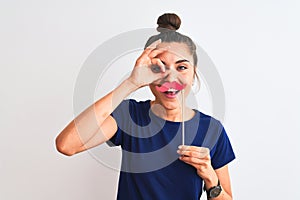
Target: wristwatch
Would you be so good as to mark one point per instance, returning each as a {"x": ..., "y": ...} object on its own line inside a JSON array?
[{"x": 214, "y": 191}]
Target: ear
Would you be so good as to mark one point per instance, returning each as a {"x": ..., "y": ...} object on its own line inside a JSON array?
[
  {"x": 197, "y": 79},
  {"x": 195, "y": 76}
]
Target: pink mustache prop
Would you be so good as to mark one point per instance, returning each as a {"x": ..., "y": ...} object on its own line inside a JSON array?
[{"x": 167, "y": 85}]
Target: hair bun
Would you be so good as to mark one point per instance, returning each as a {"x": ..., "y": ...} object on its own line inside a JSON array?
[{"x": 168, "y": 22}]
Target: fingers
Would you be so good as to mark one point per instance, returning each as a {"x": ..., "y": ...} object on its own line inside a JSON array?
[
  {"x": 157, "y": 66},
  {"x": 192, "y": 160},
  {"x": 194, "y": 151},
  {"x": 150, "y": 53},
  {"x": 154, "y": 44},
  {"x": 154, "y": 52},
  {"x": 198, "y": 157},
  {"x": 151, "y": 47}
]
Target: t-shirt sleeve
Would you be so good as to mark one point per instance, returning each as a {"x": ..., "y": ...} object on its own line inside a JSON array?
[
  {"x": 224, "y": 153},
  {"x": 115, "y": 140},
  {"x": 119, "y": 114}
]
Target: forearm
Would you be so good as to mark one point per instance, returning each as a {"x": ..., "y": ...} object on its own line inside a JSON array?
[
  {"x": 106, "y": 105},
  {"x": 88, "y": 123},
  {"x": 212, "y": 180}
]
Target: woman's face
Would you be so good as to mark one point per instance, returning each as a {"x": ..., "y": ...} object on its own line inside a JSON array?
[{"x": 179, "y": 66}]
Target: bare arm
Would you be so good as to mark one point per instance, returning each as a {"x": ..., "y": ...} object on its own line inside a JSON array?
[
  {"x": 94, "y": 125},
  {"x": 223, "y": 176}
]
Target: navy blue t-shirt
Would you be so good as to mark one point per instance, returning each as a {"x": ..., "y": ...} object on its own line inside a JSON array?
[{"x": 150, "y": 166}]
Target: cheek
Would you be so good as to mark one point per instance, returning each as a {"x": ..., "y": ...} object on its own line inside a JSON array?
[
  {"x": 153, "y": 89},
  {"x": 189, "y": 78}
]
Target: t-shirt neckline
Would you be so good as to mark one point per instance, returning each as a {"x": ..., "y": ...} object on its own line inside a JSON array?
[{"x": 168, "y": 121}]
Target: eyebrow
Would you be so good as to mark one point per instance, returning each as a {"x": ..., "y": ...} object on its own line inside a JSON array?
[{"x": 180, "y": 61}]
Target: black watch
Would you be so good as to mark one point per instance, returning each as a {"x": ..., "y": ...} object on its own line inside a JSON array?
[{"x": 214, "y": 192}]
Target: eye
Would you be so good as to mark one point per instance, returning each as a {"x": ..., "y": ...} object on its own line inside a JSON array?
[{"x": 181, "y": 67}]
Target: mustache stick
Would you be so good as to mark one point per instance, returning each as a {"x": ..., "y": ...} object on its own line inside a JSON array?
[
  {"x": 165, "y": 87},
  {"x": 182, "y": 116}
]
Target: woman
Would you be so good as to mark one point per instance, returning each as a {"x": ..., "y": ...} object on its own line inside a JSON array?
[{"x": 155, "y": 164}]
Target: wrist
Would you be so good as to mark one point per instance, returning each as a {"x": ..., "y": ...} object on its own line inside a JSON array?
[
  {"x": 130, "y": 85},
  {"x": 213, "y": 192},
  {"x": 121, "y": 92},
  {"x": 211, "y": 181}
]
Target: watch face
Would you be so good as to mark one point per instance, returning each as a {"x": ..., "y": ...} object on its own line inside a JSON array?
[{"x": 215, "y": 191}]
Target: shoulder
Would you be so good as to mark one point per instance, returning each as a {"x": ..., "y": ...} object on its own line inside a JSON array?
[
  {"x": 212, "y": 128},
  {"x": 208, "y": 119},
  {"x": 134, "y": 102},
  {"x": 132, "y": 109},
  {"x": 129, "y": 104}
]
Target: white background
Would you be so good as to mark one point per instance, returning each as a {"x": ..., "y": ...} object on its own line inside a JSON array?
[{"x": 43, "y": 45}]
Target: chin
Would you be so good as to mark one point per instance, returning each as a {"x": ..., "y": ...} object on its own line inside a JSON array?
[{"x": 168, "y": 104}]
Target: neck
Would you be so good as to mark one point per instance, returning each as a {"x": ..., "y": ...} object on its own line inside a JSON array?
[{"x": 171, "y": 114}]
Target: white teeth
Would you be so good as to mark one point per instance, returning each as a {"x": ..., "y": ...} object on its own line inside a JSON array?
[{"x": 172, "y": 90}]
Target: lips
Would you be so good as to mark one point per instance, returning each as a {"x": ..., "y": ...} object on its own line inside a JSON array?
[{"x": 169, "y": 86}]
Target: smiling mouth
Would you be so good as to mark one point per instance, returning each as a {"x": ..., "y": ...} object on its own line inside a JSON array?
[{"x": 171, "y": 91}]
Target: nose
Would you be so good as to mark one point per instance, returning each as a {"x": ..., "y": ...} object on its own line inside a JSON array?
[{"x": 172, "y": 75}]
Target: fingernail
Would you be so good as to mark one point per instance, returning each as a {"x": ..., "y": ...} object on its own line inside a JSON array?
[{"x": 180, "y": 146}]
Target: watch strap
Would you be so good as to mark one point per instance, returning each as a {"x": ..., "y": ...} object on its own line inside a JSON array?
[{"x": 209, "y": 191}]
